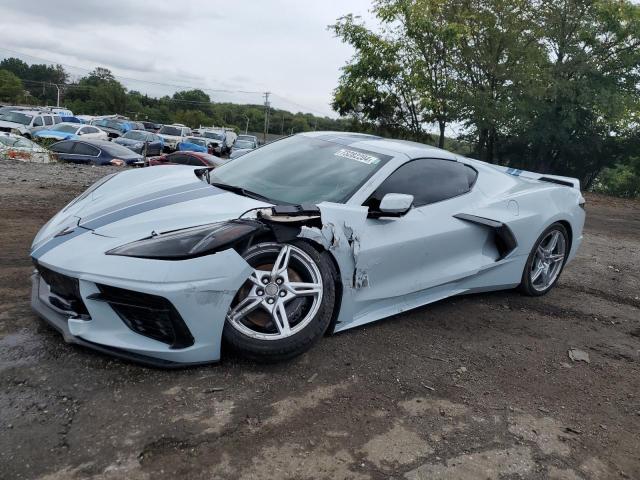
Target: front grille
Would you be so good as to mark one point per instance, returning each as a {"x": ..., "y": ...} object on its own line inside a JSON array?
[
  {"x": 65, "y": 287},
  {"x": 150, "y": 315},
  {"x": 5, "y": 129}
]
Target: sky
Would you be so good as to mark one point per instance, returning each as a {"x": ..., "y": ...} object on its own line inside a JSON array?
[{"x": 281, "y": 46}]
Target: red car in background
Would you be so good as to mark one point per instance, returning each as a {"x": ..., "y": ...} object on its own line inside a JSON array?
[{"x": 196, "y": 159}]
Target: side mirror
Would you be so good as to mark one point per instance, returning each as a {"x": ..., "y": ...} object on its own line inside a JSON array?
[{"x": 395, "y": 204}]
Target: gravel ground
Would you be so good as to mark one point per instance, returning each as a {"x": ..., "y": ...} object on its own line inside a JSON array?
[{"x": 475, "y": 387}]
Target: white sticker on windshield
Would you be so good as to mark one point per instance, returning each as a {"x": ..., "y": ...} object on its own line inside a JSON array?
[{"x": 357, "y": 156}]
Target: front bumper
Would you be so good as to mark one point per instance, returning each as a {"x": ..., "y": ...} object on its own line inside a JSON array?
[{"x": 201, "y": 302}]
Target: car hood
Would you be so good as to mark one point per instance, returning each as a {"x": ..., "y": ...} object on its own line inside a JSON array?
[
  {"x": 55, "y": 134},
  {"x": 11, "y": 125},
  {"x": 131, "y": 205}
]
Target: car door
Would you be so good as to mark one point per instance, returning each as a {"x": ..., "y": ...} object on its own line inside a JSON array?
[
  {"x": 178, "y": 159},
  {"x": 84, "y": 153},
  {"x": 63, "y": 150},
  {"x": 92, "y": 132},
  {"x": 155, "y": 145},
  {"x": 427, "y": 246},
  {"x": 37, "y": 124}
]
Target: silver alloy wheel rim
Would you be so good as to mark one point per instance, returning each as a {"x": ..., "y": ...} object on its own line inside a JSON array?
[
  {"x": 272, "y": 291},
  {"x": 548, "y": 260}
]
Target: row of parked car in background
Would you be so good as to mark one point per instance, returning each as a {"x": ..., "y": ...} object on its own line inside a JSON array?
[{"x": 116, "y": 140}]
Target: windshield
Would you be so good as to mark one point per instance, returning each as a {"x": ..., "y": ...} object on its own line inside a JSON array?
[
  {"x": 215, "y": 136},
  {"x": 16, "y": 117},
  {"x": 301, "y": 169},
  {"x": 133, "y": 135},
  {"x": 118, "y": 150},
  {"x": 243, "y": 144},
  {"x": 110, "y": 124},
  {"x": 65, "y": 128},
  {"x": 168, "y": 130}
]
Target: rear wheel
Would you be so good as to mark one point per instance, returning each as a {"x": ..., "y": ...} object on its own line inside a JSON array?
[
  {"x": 285, "y": 305},
  {"x": 546, "y": 261}
]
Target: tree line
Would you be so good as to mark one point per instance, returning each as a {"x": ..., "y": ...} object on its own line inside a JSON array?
[
  {"x": 544, "y": 85},
  {"x": 100, "y": 93}
]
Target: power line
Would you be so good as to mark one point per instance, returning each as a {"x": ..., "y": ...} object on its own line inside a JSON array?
[
  {"x": 150, "y": 82},
  {"x": 73, "y": 86},
  {"x": 308, "y": 109},
  {"x": 131, "y": 79}
]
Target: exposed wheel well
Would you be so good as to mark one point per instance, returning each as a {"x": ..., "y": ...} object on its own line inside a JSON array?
[
  {"x": 567, "y": 226},
  {"x": 338, "y": 283}
]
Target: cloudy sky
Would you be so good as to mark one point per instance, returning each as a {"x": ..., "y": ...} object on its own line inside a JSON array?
[{"x": 281, "y": 46}]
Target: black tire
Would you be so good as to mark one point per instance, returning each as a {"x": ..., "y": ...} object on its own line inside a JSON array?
[
  {"x": 301, "y": 341},
  {"x": 526, "y": 286}
]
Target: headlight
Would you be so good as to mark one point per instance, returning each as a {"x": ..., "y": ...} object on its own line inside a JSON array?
[
  {"x": 138, "y": 145},
  {"x": 188, "y": 243}
]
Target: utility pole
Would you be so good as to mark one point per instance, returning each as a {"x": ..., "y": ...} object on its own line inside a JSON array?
[
  {"x": 246, "y": 127},
  {"x": 57, "y": 88},
  {"x": 266, "y": 116}
]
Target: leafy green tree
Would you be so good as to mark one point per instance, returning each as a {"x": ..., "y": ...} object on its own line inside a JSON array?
[
  {"x": 379, "y": 85},
  {"x": 428, "y": 38},
  {"x": 99, "y": 93},
  {"x": 10, "y": 86},
  {"x": 191, "y": 118},
  {"x": 548, "y": 85},
  {"x": 579, "y": 118}
]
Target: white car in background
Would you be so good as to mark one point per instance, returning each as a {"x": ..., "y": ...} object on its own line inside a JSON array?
[
  {"x": 68, "y": 130},
  {"x": 222, "y": 139},
  {"x": 173, "y": 134},
  {"x": 27, "y": 122}
]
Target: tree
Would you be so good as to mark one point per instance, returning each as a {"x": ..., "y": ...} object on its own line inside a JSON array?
[
  {"x": 582, "y": 117},
  {"x": 429, "y": 38},
  {"x": 379, "y": 85},
  {"x": 548, "y": 85},
  {"x": 99, "y": 93},
  {"x": 10, "y": 86}
]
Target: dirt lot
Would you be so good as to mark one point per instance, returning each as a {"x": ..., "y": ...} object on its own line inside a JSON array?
[{"x": 477, "y": 387}]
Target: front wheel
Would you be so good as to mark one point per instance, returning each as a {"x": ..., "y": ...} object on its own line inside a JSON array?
[
  {"x": 285, "y": 305},
  {"x": 546, "y": 261}
]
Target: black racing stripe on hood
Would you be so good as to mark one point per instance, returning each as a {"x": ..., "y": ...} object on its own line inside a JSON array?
[{"x": 123, "y": 213}]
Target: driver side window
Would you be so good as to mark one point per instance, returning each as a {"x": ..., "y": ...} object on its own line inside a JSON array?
[{"x": 428, "y": 180}]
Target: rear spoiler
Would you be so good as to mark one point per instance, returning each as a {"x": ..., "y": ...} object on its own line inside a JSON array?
[{"x": 566, "y": 181}]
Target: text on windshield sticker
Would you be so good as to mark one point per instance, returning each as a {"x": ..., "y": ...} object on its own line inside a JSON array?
[{"x": 357, "y": 156}]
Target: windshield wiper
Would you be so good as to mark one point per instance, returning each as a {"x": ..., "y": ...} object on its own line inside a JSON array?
[{"x": 242, "y": 191}]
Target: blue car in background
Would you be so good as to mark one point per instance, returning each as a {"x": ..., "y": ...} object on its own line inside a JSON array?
[
  {"x": 194, "y": 144},
  {"x": 95, "y": 152},
  {"x": 65, "y": 131},
  {"x": 114, "y": 127}
]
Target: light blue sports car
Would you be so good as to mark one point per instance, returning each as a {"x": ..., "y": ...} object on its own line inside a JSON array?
[{"x": 319, "y": 232}]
